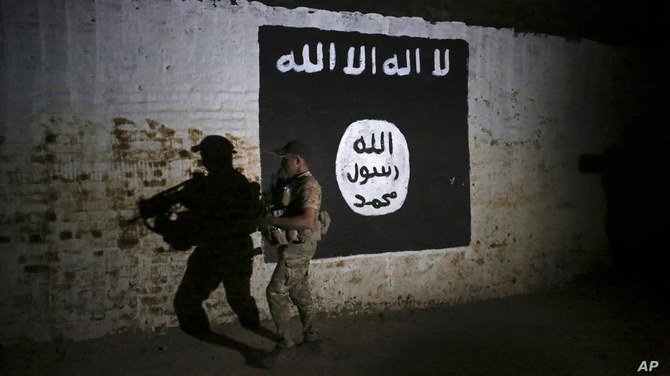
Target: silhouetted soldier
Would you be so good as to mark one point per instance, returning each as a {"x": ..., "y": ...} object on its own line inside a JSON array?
[{"x": 222, "y": 208}]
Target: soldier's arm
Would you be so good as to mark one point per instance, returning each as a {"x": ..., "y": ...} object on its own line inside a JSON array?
[{"x": 306, "y": 220}]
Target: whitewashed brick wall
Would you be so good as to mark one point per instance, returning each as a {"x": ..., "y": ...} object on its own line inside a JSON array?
[{"x": 102, "y": 101}]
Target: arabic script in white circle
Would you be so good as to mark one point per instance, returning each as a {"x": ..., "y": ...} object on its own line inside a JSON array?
[{"x": 372, "y": 167}]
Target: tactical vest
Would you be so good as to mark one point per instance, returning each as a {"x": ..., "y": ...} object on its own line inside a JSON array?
[{"x": 298, "y": 187}]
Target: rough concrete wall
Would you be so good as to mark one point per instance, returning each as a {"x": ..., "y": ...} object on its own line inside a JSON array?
[{"x": 102, "y": 101}]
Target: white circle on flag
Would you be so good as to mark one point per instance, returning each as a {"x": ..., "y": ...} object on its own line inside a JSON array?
[{"x": 372, "y": 167}]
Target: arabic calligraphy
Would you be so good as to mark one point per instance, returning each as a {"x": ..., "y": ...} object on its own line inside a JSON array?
[
  {"x": 361, "y": 59},
  {"x": 376, "y": 203},
  {"x": 372, "y": 167},
  {"x": 360, "y": 147},
  {"x": 365, "y": 173}
]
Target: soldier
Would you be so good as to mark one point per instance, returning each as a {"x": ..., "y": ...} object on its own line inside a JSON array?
[{"x": 297, "y": 232}]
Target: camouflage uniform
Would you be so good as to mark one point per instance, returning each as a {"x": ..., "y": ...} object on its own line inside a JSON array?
[{"x": 289, "y": 284}]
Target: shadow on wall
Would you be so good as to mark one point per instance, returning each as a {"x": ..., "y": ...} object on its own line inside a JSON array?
[
  {"x": 634, "y": 175},
  {"x": 215, "y": 213}
]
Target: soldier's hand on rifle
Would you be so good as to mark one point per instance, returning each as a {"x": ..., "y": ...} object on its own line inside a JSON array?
[{"x": 279, "y": 235}]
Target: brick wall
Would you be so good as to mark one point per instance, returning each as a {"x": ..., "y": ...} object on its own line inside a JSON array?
[{"x": 103, "y": 100}]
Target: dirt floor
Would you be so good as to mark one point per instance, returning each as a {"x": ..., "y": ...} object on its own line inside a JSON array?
[{"x": 598, "y": 326}]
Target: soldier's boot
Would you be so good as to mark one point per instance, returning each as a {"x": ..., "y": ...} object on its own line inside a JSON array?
[
  {"x": 310, "y": 334},
  {"x": 284, "y": 351},
  {"x": 283, "y": 332},
  {"x": 278, "y": 356},
  {"x": 311, "y": 344}
]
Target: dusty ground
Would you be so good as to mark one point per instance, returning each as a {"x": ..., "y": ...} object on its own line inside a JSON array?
[{"x": 594, "y": 327}]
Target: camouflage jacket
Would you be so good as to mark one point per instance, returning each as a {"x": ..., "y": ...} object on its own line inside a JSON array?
[{"x": 305, "y": 193}]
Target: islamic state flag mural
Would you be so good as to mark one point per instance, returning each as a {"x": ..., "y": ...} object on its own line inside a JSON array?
[{"x": 386, "y": 120}]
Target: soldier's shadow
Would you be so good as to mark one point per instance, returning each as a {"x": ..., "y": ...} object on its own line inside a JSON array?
[
  {"x": 218, "y": 214},
  {"x": 209, "y": 266}
]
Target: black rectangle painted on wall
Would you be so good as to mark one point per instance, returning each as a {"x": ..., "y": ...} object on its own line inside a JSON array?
[{"x": 307, "y": 93}]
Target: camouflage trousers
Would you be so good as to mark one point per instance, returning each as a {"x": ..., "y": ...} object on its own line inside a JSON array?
[{"x": 288, "y": 287}]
